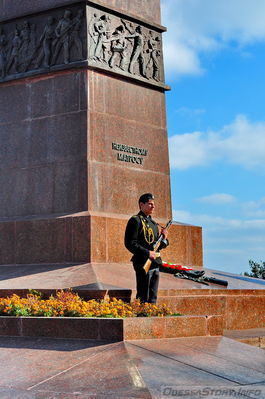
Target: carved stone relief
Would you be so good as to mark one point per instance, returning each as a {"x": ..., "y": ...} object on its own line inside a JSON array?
[
  {"x": 52, "y": 39},
  {"x": 80, "y": 33},
  {"x": 2, "y": 53},
  {"x": 124, "y": 46}
]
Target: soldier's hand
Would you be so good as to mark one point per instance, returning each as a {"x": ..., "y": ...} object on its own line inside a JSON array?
[
  {"x": 152, "y": 255},
  {"x": 165, "y": 233}
]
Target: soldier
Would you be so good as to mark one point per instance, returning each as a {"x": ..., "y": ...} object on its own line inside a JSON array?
[{"x": 140, "y": 235}]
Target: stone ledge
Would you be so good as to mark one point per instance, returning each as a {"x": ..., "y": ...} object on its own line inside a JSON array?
[
  {"x": 259, "y": 342},
  {"x": 32, "y": 241},
  {"x": 172, "y": 327},
  {"x": 111, "y": 329},
  {"x": 254, "y": 336}
]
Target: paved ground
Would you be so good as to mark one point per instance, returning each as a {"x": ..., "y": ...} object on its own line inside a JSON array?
[{"x": 212, "y": 367}]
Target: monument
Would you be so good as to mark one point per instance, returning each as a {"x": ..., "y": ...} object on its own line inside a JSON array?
[
  {"x": 83, "y": 135},
  {"x": 83, "y": 131}
]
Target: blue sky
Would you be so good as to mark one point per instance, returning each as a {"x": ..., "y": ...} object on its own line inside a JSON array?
[{"x": 214, "y": 54}]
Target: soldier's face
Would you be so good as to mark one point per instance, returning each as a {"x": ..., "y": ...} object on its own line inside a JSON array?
[{"x": 148, "y": 207}]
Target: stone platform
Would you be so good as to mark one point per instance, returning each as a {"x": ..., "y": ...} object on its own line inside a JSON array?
[
  {"x": 238, "y": 306},
  {"x": 110, "y": 276},
  {"x": 82, "y": 369},
  {"x": 190, "y": 366}
]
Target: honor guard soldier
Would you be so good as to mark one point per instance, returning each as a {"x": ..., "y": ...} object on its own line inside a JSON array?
[{"x": 140, "y": 236}]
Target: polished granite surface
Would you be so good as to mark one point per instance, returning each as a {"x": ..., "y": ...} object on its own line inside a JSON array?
[
  {"x": 106, "y": 276},
  {"x": 193, "y": 367},
  {"x": 185, "y": 367}
]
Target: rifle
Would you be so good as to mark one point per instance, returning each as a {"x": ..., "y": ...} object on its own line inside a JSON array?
[
  {"x": 191, "y": 275},
  {"x": 156, "y": 246}
]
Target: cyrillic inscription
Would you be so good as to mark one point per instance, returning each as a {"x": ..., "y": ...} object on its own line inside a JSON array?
[{"x": 136, "y": 158}]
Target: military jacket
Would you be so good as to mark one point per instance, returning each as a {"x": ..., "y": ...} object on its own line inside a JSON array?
[{"x": 141, "y": 234}]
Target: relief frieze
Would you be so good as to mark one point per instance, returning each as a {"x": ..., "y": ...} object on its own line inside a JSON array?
[
  {"x": 80, "y": 35},
  {"x": 124, "y": 46},
  {"x": 40, "y": 42}
]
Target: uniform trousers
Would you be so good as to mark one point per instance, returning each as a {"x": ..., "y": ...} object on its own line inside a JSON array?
[{"x": 147, "y": 284}]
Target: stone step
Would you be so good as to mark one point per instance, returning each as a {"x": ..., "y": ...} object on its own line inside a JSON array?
[
  {"x": 254, "y": 336},
  {"x": 195, "y": 304},
  {"x": 241, "y": 309},
  {"x": 109, "y": 329}
]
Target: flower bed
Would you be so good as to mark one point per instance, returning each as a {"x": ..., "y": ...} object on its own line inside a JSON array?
[
  {"x": 66, "y": 315},
  {"x": 69, "y": 304}
]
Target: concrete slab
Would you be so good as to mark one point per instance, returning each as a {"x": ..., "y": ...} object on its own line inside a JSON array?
[{"x": 81, "y": 369}]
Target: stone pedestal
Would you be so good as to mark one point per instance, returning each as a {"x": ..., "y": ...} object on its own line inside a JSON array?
[{"x": 83, "y": 131}]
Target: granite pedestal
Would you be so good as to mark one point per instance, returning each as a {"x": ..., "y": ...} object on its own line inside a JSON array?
[{"x": 83, "y": 131}]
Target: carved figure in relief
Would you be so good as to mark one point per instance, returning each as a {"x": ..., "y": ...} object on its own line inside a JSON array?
[
  {"x": 31, "y": 48},
  {"x": 154, "y": 52},
  {"x": 3, "y": 43},
  {"x": 118, "y": 48},
  {"x": 13, "y": 59},
  {"x": 24, "y": 50},
  {"x": 45, "y": 43},
  {"x": 62, "y": 40},
  {"x": 102, "y": 27},
  {"x": 107, "y": 43},
  {"x": 138, "y": 48},
  {"x": 93, "y": 33},
  {"x": 75, "y": 34},
  {"x": 33, "y": 40}
]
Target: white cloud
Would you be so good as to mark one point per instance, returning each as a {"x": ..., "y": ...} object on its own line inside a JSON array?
[
  {"x": 228, "y": 243},
  {"x": 199, "y": 26},
  {"x": 218, "y": 223},
  {"x": 219, "y": 198},
  {"x": 184, "y": 59},
  {"x": 201, "y": 219},
  {"x": 182, "y": 216},
  {"x": 241, "y": 143},
  {"x": 254, "y": 208},
  {"x": 188, "y": 150}
]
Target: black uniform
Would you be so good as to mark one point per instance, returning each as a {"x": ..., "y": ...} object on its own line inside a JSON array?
[{"x": 140, "y": 235}]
